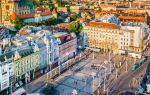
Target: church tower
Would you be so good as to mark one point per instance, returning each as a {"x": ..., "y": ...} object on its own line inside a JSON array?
[
  {"x": 7, "y": 8},
  {"x": 10, "y": 7}
]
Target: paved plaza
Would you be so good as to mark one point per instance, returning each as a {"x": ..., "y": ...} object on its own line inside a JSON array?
[
  {"x": 89, "y": 74},
  {"x": 81, "y": 78}
]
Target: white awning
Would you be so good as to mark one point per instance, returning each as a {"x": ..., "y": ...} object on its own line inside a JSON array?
[{"x": 93, "y": 49}]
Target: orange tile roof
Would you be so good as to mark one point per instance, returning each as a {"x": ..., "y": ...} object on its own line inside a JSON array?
[
  {"x": 80, "y": 19},
  {"x": 45, "y": 13},
  {"x": 24, "y": 16},
  {"x": 63, "y": 25},
  {"x": 41, "y": 9},
  {"x": 102, "y": 24},
  {"x": 23, "y": 32},
  {"x": 132, "y": 18},
  {"x": 103, "y": 12},
  {"x": 54, "y": 11}
]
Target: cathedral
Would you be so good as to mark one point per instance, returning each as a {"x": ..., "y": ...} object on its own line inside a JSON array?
[{"x": 9, "y": 7}]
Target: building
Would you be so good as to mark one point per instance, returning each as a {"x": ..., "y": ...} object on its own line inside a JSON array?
[
  {"x": 99, "y": 38},
  {"x": 116, "y": 39},
  {"x": 108, "y": 18},
  {"x": 19, "y": 7},
  {"x": 132, "y": 18},
  {"x": 108, "y": 1},
  {"x": 67, "y": 47},
  {"x": 3, "y": 33},
  {"x": 40, "y": 14},
  {"x": 0, "y": 12},
  {"x": 26, "y": 62},
  {"x": 64, "y": 9},
  {"x": 75, "y": 9},
  {"x": 132, "y": 41},
  {"x": 4, "y": 77},
  {"x": 6, "y": 72}
]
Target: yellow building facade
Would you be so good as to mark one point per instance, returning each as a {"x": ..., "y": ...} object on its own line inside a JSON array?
[
  {"x": 99, "y": 38},
  {"x": 7, "y": 8},
  {"x": 112, "y": 38},
  {"x": 26, "y": 62}
]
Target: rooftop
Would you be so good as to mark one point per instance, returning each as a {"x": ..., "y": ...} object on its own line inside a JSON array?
[
  {"x": 102, "y": 24},
  {"x": 142, "y": 19}
]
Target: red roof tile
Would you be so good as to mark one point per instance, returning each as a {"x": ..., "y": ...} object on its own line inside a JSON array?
[
  {"x": 102, "y": 24},
  {"x": 54, "y": 11},
  {"x": 80, "y": 19},
  {"x": 24, "y": 16},
  {"x": 132, "y": 18}
]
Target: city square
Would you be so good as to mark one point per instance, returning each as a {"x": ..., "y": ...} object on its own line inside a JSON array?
[{"x": 74, "y": 47}]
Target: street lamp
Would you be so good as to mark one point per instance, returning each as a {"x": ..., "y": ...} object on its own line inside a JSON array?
[
  {"x": 105, "y": 81},
  {"x": 116, "y": 69},
  {"x": 67, "y": 54},
  {"x": 59, "y": 65},
  {"x": 85, "y": 85},
  {"x": 93, "y": 74},
  {"x": 126, "y": 66}
]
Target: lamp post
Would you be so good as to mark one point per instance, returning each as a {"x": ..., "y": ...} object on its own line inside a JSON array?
[
  {"x": 67, "y": 54},
  {"x": 105, "y": 78},
  {"x": 116, "y": 73},
  {"x": 126, "y": 66},
  {"x": 85, "y": 86},
  {"x": 93, "y": 74},
  {"x": 11, "y": 89},
  {"x": 59, "y": 65}
]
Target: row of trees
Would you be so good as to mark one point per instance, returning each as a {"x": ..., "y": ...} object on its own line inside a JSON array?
[
  {"x": 19, "y": 23},
  {"x": 50, "y": 21},
  {"x": 48, "y": 3}
]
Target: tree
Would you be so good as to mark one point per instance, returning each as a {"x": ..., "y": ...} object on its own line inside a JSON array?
[
  {"x": 49, "y": 90},
  {"x": 36, "y": 3},
  {"x": 51, "y": 21},
  {"x": 148, "y": 21},
  {"x": 68, "y": 8},
  {"x": 18, "y": 23},
  {"x": 73, "y": 17},
  {"x": 75, "y": 27}
]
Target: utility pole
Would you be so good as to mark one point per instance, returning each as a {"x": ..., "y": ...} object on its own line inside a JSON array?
[{"x": 105, "y": 81}]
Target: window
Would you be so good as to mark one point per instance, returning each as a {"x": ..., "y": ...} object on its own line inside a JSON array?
[
  {"x": 4, "y": 71},
  {"x": 7, "y": 7},
  {"x": 4, "y": 85}
]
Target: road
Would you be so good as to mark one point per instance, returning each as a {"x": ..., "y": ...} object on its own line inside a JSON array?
[{"x": 124, "y": 82}]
